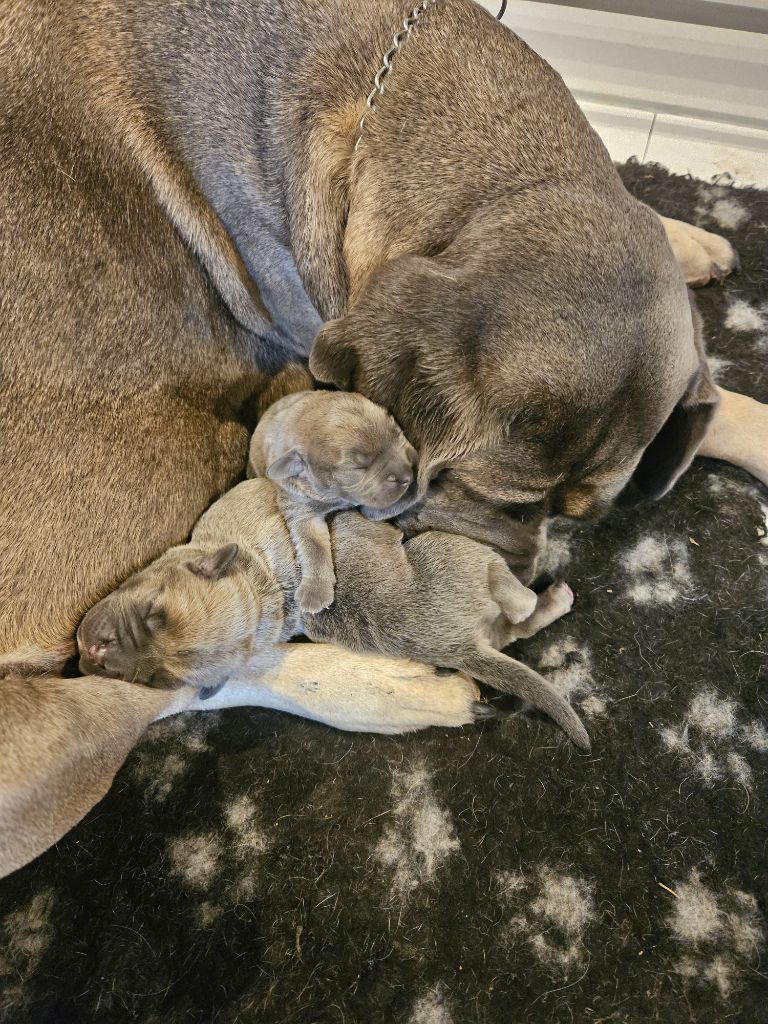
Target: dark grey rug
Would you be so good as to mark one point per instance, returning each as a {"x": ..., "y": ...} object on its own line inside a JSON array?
[{"x": 247, "y": 866}]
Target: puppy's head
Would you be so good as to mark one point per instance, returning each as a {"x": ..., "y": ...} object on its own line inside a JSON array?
[
  {"x": 352, "y": 450},
  {"x": 189, "y": 619},
  {"x": 537, "y": 357}
]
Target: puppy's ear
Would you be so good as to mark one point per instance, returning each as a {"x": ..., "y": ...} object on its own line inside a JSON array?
[
  {"x": 215, "y": 565},
  {"x": 287, "y": 467},
  {"x": 673, "y": 449},
  {"x": 333, "y": 359}
]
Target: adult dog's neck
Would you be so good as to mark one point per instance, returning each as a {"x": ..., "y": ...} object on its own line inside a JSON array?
[
  {"x": 250, "y": 111},
  {"x": 259, "y": 107}
]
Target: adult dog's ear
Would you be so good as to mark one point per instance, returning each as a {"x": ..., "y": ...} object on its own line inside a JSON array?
[
  {"x": 673, "y": 449},
  {"x": 287, "y": 467},
  {"x": 333, "y": 359}
]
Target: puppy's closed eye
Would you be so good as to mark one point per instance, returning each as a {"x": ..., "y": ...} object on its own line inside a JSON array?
[
  {"x": 155, "y": 620},
  {"x": 163, "y": 679},
  {"x": 151, "y": 613}
]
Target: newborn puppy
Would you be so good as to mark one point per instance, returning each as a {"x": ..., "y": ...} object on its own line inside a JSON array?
[
  {"x": 326, "y": 451},
  {"x": 199, "y": 612}
]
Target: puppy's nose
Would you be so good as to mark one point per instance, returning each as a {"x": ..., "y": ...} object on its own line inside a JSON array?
[
  {"x": 402, "y": 479},
  {"x": 403, "y": 467},
  {"x": 92, "y": 654},
  {"x": 93, "y": 638},
  {"x": 97, "y": 652}
]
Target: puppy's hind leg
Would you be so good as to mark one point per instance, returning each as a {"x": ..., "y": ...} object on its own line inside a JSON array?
[
  {"x": 510, "y": 676},
  {"x": 516, "y": 600},
  {"x": 524, "y": 612},
  {"x": 552, "y": 604}
]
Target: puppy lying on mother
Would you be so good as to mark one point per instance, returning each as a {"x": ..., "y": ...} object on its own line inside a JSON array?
[
  {"x": 184, "y": 207},
  {"x": 197, "y": 615}
]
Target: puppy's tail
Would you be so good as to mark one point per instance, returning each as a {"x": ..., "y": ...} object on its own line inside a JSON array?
[{"x": 510, "y": 676}]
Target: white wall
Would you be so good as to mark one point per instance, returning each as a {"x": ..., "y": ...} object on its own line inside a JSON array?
[{"x": 692, "y": 96}]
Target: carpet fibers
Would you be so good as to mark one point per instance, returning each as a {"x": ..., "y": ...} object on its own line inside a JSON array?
[{"x": 247, "y": 866}]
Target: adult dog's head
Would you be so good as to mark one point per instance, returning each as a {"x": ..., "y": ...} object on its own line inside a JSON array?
[{"x": 549, "y": 352}]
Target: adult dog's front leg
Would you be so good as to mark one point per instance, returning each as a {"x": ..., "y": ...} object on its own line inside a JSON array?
[
  {"x": 63, "y": 740},
  {"x": 355, "y": 692},
  {"x": 702, "y": 255},
  {"x": 61, "y": 744},
  {"x": 739, "y": 434}
]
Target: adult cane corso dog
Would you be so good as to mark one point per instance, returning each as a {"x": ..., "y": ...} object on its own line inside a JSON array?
[{"x": 184, "y": 207}]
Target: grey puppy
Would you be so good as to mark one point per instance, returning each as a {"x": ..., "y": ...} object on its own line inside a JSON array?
[
  {"x": 327, "y": 451},
  {"x": 200, "y": 612}
]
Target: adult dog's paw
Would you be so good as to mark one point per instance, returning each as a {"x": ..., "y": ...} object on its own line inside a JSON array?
[
  {"x": 702, "y": 255},
  {"x": 403, "y": 696}
]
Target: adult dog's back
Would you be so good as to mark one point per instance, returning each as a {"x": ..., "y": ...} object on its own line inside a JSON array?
[{"x": 126, "y": 380}]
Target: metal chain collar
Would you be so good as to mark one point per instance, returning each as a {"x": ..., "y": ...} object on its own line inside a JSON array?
[{"x": 399, "y": 40}]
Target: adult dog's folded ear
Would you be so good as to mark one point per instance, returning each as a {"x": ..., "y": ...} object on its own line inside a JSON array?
[
  {"x": 673, "y": 449},
  {"x": 409, "y": 308},
  {"x": 333, "y": 359}
]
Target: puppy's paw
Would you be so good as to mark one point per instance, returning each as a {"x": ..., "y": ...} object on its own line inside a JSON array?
[
  {"x": 702, "y": 255},
  {"x": 315, "y": 595},
  {"x": 560, "y": 597}
]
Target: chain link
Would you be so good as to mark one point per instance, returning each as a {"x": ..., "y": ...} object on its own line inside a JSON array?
[{"x": 398, "y": 42}]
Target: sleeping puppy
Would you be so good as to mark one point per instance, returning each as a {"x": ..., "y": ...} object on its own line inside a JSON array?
[
  {"x": 329, "y": 451},
  {"x": 200, "y": 612}
]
